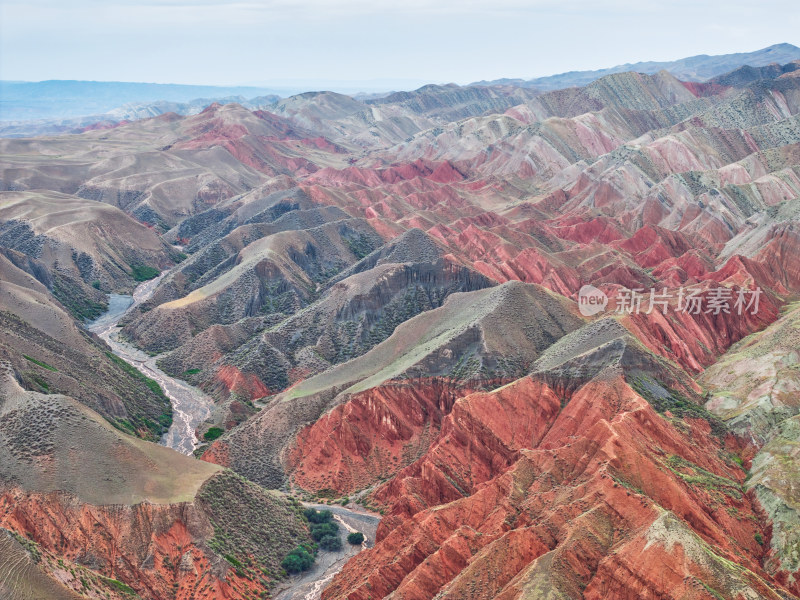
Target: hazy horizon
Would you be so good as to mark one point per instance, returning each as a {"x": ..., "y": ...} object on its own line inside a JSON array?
[
  {"x": 278, "y": 43},
  {"x": 381, "y": 83}
]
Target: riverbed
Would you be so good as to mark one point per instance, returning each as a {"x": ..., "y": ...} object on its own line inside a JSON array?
[
  {"x": 190, "y": 406},
  {"x": 311, "y": 584}
]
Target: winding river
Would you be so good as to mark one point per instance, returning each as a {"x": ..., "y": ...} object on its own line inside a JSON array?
[{"x": 190, "y": 406}]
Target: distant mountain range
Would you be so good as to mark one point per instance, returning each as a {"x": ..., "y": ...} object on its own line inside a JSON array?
[
  {"x": 59, "y": 99},
  {"x": 694, "y": 68},
  {"x": 51, "y": 107},
  {"x": 132, "y": 111}
]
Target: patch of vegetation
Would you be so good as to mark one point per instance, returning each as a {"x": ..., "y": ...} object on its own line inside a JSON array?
[
  {"x": 326, "y": 493},
  {"x": 124, "y": 425},
  {"x": 355, "y": 338},
  {"x": 42, "y": 364},
  {"x": 117, "y": 585},
  {"x": 759, "y": 539},
  {"x": 332, "y": 543},
  {"x": 279, "y": 298},
  {"x": 281, "y": 208},
  {"x": 141, "y": 272},
  {"x": 467, "y": 367},
  {"x": 31, "y": 547},
  {"x": 164, "y": 420},
  {"x": 359, "y": 338},
  {"x": 626, "y": 484},
  {"x": 37, "y": 380},
  {"x": 96, "y": 284},
  {"x": 190, "y": 372},
  {"x": 713, "y": 592},
  {"x": 298, "y": 560},
  {"x": 76, "y": 299},
  {"x": 696, "y": 475},
  {"x": 676, "y": 403},
  {"x": 134, "y": 372},
  {"x": 233, "y": 561},
  {"x": 356, "y": 538},
  {"x": 321, "y": 530},
  {"x": 324, "y": 529},
  {"x": 361, "y": 245},
  {"x": 213, "y": 433},
  {"x": 254, "y": 529},
  {"x": 318, "y": 516}
]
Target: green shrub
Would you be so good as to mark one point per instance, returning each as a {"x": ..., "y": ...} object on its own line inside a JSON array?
[
  {"x": 292, "y": 564},
  {"x": 233, "y": 561},
  {"x": 320, "y": 530},
  {"x": 144, "y": 272},
  {"x": 213, "y": 433},
  {"x": 331, "y": 543},
  {"x": 38, "y": 381},
  {"x": 356, "y": 538},
  {"x": 759, "y": 539},
  {"x": 297, "y": 560},
  {"x": 44, "y": 365},
  {"x": 96, "y": 284},
  {"x": 117, "y": 585},
  {"x": 318, "y": 516},
  {"x": 191, "y": 371}
]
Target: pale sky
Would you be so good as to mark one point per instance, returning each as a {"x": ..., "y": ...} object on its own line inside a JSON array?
[{"x": 399, "y": 43}]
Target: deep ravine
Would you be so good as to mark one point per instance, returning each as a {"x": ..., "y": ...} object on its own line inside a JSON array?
[{"x": 190, "y": 406}]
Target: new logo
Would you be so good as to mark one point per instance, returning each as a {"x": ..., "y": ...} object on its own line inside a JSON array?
[{"x": 591, "y": 300}]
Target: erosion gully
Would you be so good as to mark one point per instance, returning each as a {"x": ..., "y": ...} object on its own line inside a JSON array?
[{"x": 190, "y": 408}]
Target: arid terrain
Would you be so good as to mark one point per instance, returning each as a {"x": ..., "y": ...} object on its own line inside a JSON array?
[{"x": 378, "y": 304}]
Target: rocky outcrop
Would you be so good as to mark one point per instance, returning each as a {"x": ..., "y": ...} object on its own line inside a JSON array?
[
  {"x": 371, "y": 436},
  {"x": 568, "y": 501}
]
